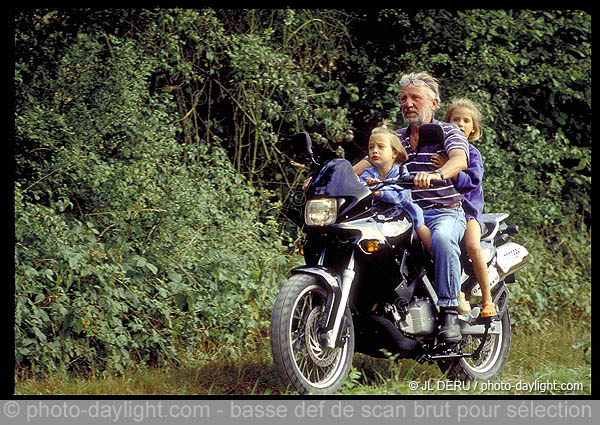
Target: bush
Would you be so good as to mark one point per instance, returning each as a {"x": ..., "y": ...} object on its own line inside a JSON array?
[
  {"x": 132, "y": 248},
  {"x": 557, "y": 282},
  {"x": 153, "y": 284}
]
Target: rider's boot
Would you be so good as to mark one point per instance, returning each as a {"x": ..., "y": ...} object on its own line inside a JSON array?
[{"x": 450, "y": 329}]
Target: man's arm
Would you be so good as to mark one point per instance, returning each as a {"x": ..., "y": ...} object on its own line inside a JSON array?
[
  {"x": 361, "y": 166},
  {"x": 457, "y": 161}
]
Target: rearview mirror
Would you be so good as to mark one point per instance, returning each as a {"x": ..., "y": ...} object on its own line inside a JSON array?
[{"x": 302, "y": 143}]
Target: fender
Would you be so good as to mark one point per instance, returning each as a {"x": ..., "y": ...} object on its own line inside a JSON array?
[
  {"x": 332, "y": 284},
  {"x": 500, "y": 298}
]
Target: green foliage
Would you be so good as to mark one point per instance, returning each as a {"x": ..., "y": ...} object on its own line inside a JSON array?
[
  {"x": 557, "y": 281},
  {"x": 132, "y": 248},
  {"x": 530, "y": 71},
  {"x": 254, "y": 78},
  {"x": 154, "y": 284}
]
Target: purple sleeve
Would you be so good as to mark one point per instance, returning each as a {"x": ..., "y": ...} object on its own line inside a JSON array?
[{"x": 470, "y": 178}]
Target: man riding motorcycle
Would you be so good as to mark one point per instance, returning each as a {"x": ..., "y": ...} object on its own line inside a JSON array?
[{"x": 443, "y": 214}]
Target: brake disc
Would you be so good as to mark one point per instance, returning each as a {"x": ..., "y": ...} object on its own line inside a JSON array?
[{"x": 320, "y": 355}]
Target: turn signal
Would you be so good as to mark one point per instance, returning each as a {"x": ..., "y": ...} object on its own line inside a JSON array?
[
  {"x": 512, "y": 230},
  {"x": 370, "y": 246}
]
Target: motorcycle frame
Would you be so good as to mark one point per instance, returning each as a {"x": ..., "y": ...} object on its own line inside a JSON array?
[
  {"x": 339, "y": 288},
  {"x": 364, "y": 227}
]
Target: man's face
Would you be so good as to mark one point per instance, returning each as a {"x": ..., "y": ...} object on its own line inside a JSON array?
[{"x": 417, "y": 106}]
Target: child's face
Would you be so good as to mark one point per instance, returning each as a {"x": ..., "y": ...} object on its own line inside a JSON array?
[
  {"x": 380, "y": 150},
  {"x": 463, "y": 118}
]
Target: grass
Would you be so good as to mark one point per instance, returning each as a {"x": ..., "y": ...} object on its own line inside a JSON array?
[
  {"x": 540, "y": 363},
  {"x": 252, "y": 373},
  {"x": 559, "y": 353}
]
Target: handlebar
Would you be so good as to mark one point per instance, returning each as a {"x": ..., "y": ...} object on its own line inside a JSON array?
[{"x": 406, "y": 182}]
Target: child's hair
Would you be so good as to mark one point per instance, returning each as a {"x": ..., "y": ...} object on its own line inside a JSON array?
[
  {"x": 476, "y": 115},
  {"x": 394, "y": 140}
]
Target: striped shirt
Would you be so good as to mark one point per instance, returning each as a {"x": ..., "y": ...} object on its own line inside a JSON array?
[{"x": 420, "y": 160}]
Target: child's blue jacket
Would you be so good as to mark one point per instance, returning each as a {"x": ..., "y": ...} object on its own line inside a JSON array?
[{"x": 394, "y": 194}]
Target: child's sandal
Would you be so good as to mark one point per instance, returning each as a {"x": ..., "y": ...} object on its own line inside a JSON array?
[
  {"x": 464, "y": 307},
  {"x": 488, "y": 310}
]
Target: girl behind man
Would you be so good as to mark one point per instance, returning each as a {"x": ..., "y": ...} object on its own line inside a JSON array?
[{"x": 467, "y": 116}]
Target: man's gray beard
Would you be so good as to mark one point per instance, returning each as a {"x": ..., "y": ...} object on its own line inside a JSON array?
[{"x": 415, "y": 121}]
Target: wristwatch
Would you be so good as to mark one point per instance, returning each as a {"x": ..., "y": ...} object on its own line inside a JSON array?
[{"x": 439, "y": 172}]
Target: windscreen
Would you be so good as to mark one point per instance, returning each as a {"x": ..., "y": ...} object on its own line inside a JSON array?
[{"x": 337, "y": 179}]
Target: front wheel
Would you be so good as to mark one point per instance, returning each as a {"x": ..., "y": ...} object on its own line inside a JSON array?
[
  {"x": 492, "y": 358},
  {"x": 300, "y": 359}
]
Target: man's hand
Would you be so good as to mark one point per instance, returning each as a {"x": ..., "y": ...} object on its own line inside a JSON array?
[
  {"x": 423, "y": 180},
  {"x": 456, "y": 162}
]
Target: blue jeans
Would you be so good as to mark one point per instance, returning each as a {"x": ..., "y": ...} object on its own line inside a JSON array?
[{"x": 447, "y": 229}]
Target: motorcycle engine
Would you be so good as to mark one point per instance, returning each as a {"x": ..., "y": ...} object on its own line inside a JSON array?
[{"x": 419, "y": 318}]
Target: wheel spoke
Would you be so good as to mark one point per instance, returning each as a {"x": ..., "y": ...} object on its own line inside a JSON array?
[
  {"x": 317, "y": 363},
  {"x": 489, "y": 354}
]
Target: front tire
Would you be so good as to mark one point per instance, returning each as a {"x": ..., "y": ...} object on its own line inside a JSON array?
[{"x": 301, "y": 361}]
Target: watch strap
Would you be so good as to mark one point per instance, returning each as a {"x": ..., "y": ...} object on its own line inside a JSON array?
[{"x": 440, "y": 173}]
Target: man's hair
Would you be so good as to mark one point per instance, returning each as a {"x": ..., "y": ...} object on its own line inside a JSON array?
[{"x": 430, "y": 81}]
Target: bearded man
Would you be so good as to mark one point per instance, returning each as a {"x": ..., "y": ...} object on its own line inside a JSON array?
[{"x": 419, "y": 99}]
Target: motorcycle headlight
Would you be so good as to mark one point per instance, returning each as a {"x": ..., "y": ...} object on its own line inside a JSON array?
[{"x": 320, "y": 212}]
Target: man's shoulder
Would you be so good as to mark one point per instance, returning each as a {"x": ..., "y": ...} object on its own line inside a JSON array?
[
  {"x": 453, "y": 137},
  {"x": 448, "y": 127}
]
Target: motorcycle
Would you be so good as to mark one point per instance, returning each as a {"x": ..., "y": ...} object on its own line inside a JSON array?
[{"x": 368, "y": 287}]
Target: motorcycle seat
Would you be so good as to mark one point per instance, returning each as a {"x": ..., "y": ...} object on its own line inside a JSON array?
[{"x": 491, "y": 223}]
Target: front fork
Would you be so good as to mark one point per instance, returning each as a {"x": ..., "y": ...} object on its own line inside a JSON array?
[
  {"x": 338, "y": 293},
  {"x": 331, "y": 336}
]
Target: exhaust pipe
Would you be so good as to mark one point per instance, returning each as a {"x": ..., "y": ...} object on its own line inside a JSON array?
[{"x": 376, "y": 333}]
